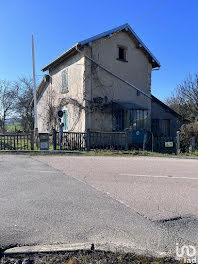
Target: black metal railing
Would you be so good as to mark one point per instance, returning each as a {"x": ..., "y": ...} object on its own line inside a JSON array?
[
  {"x": 17, "y": 141},
  {"x": 91, "y": 140}
]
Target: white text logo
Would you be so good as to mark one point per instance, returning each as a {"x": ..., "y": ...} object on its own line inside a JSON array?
[{"x": 187, "y": 253}]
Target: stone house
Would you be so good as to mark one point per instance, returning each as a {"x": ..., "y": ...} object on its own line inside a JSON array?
[{"x": 102, "y": 83}]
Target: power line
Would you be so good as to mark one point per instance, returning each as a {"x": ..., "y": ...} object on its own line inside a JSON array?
[{"x": 150, "y": 10}]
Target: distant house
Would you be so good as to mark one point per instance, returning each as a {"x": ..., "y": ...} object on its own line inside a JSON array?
[{"x": 103, "y": 84}]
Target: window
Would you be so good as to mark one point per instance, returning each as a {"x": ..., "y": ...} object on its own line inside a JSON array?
[
  {"x": 65, "y": 120},
  {"x": 118, "y": 120},
  {"x": 122, "y": 53},
  {"x": 131, "y": 118},
  {"x": 136, "y": 119},
  {"x": 64, "y": 81}
]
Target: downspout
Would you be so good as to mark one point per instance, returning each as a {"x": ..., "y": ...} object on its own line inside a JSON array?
[{"x": 114, "y": 74}]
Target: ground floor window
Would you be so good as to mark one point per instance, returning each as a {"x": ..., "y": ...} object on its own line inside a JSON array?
[{"x": 129, "y": 118}]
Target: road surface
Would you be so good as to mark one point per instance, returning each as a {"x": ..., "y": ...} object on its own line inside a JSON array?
[
  {"x": 146, "y": 204},
  {"x": 157, "y": 188}
]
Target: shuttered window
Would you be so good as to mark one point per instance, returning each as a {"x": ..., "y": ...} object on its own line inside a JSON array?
[
  {"x": 64, "y": 81},
  {"x": 65, "y": 120}
]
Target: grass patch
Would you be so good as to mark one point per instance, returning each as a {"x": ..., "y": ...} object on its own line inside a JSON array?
[
  {"x": 14, "y": 127},
  {"x": 191, "y": 154},
  {"x": 86, "y": 257},
  {"x": 112, "y": 153},
  {"x": 122, "y": 153}
]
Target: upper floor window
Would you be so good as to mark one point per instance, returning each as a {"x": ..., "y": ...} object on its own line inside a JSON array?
[
  {"x": 122, "y": 53},
  {"x": 64, "y": 81}
]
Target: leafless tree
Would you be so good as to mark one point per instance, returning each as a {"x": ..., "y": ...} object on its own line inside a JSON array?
[
  {"x": 24, "y": 104},
  {"x": 8, "y": 95},
  {"x": 185, "y": 99}
]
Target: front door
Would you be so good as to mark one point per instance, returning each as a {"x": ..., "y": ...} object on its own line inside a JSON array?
[{"x": 166, "y": 127}]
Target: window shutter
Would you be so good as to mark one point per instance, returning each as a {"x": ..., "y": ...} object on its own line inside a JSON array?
[
  {"x": 64, "y": 81},
  {"x": 65, "y": 120}
]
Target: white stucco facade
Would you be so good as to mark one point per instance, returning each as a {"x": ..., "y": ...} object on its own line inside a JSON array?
[
  {"x": 52, "y": 94},
  {"x": 86, "y": 80}
]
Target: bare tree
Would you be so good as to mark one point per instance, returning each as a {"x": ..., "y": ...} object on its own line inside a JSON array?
[
  {"x": 24, "y": 103},
  {"x": 185, "y": 99},
  {"x": 8, "y": 95}
]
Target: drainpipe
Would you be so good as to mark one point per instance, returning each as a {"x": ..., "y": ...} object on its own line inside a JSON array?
[{"x": 114, "y": 74}]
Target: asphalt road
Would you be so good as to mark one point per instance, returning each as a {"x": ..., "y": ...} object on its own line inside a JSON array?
[
  {"x": 125, "y": 201},
  {"x": 157, "y": 188}
]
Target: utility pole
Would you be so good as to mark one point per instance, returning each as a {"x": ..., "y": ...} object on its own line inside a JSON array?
[{"x": 34, "y": 91}]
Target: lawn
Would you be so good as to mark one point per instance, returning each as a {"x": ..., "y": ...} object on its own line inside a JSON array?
[{"x": 13, "y": 127}]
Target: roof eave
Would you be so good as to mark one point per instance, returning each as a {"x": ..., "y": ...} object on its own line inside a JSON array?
[
  {"x": 60, "y": 59},
  {"x": 155, "y": 63},
  {"x": 166, "y": 106}
]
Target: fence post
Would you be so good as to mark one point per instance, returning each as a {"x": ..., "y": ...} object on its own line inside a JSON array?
[
  {"x": 32, "y": 140},
  {"x": 144, "y": 140},
  {"x": 178, "y": 143},
  {"x": 152, "y": 142},
  {"x": 126, "y": 139},
  {"x": 54, "y": 138},
  {"x": 88, "y": 139}
]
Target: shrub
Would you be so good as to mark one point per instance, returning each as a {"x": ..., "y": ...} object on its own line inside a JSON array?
[{"x": 187, "y": 132}]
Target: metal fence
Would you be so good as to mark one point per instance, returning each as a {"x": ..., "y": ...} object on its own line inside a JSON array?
[
  {"x": 70, "y": 141},
  {"x": 16, "y": 141},
  {"x": 96, "y": 141},
  {"x": 107, "y": 140},
  {"x": 90, "y": 140}
]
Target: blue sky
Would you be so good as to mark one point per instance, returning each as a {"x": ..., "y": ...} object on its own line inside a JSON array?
[{"x": 168, "y": 28}]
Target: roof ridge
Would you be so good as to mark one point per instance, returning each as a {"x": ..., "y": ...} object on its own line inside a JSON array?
[
  {"x": 105, "y": 33},
  {"x": 126, "y": 26}
]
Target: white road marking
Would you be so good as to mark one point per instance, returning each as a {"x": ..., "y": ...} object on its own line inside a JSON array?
[
  {"x": 43, "y": 171},
  {"x": 158, "y": 176}
]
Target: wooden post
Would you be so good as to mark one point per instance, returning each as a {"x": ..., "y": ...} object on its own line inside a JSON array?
[
  {"x": 152, "y": 142},
  {"x": 178, "y": 143},
  {"x": 126, "y": 139},
  {"x": 54, "y": 138},
  {"x": 32, "y": 140},
  {"x": 144, "y": 140},
  {"x": 88, "y": 139}
]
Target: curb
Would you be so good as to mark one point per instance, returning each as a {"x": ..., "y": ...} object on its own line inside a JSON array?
[
  {"x": 50, "y": 152},
  {"x": 62, "y": 152},
  {"x": 77, "y": 247},
  {"x": 46, "y": 248}
]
